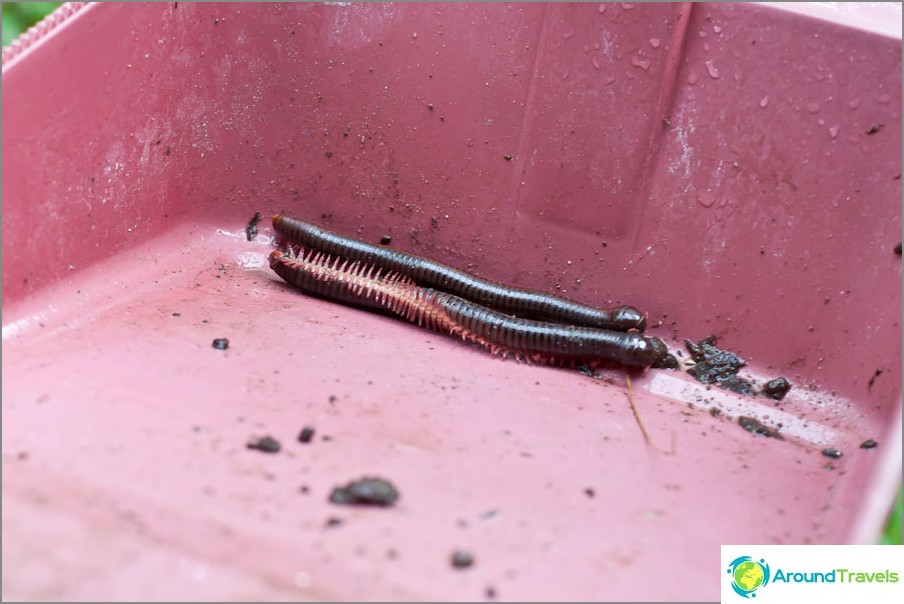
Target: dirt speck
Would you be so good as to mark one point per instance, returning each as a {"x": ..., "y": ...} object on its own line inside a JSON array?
[
  {"x": 869, "y": 444},
  {"x": 306, "y": 434},
  {"x": 462, "y": 558},
  {"x": 776, "y": 389},
  {"x": 366, "y": 491},
  {"x": 266, "y": 444},
  {"x": 755, "y": 426},
  {"x": 872, "y": 380},
  {"x": 832, "y": 452},
  {"x": 221, "y": 343}
]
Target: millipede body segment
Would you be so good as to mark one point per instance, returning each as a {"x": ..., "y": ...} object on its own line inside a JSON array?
[
  {"x": 441, "y": 277},
  {"x": 362, "y": 284}
]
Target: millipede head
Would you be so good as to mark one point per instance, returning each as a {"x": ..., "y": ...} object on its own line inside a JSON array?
[
  {"x": 276, "y": 257},
  {"x": 629, "y": 318}
]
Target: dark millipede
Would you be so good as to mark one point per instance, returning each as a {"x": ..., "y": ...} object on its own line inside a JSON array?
[
  {"x": 358, "y": 283},
  {"x": 441, "y": 277}
]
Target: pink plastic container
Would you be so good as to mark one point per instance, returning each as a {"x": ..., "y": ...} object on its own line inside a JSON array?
[{"x": 732, "y": 169}]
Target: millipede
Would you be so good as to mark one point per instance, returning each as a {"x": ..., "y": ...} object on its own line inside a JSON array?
[
  {"x": 429, "y": 273},
  {"x": 355, "y": 282}
]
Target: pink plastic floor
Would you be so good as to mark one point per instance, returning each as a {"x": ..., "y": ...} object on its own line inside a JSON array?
[{"x": 731, "y": 169}]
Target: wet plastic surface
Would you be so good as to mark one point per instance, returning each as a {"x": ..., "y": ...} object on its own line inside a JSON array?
[{"x": 731, "y": 169}]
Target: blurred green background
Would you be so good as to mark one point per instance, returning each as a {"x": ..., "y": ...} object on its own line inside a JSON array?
[{"x": 19, "y": 16}]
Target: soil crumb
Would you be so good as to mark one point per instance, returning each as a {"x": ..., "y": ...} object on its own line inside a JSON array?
[
  {"x": 776, "y": 389},
  {"x": 266, "y": 444},
  {"x": 716, "y": 366},
  {"x": 757, "y": 427},
  {"x": 462, "y": 558},
  {"x": 367, "y": 491}
]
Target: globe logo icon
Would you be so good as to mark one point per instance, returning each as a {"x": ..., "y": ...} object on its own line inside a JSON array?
[{"x": 748, "y": 575}]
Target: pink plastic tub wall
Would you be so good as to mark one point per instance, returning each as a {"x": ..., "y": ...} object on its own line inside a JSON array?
[{"x": 732, "y": 169}]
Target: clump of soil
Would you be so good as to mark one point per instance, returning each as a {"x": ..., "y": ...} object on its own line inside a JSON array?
[
  {"x": 367, "y": 491},
  {"x": 716, "y": 366},
  {"x": 832, "y": 452},
  {"x": 306, "y": 434},
  {"x": 757, "y": 427},
  {"x": 776, "y": 389},
  {"x": 666, "y": 361},
  {"x": 266, "y": 444},
  {"x": 462, "y": 558}
]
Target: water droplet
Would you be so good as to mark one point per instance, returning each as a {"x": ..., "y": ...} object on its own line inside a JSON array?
[
  {"x": 813, "y": 107},
  {"x": 655, "y": 42},
  {"x": 596, "y": 46},
  {"x": 833, "y": 131},
  {"x": 706, "y": 47},
  {"x": 707, "y": 198},
  {"x": 639, "y": 61},
  {"x": 764, "y": 102},
  {"x": 602, "y": 7},
  {"x": 692, "y": 78},
  {"x": 711, "y": 68},
  {"x": 717, "y": 29},
  {"x": 566, "y": 73},
  {"x": 595, "y": 63},
  {"x": 586, "y": 48},
  {"x": 568, "y": 35},
  {"x": 628, "y": 5},
  {"x": 854, "y": 103},
  {"x": 884, "y": 98}
]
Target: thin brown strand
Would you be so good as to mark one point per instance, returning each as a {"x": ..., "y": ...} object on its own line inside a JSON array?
[{"x": 643, "y": 430}]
